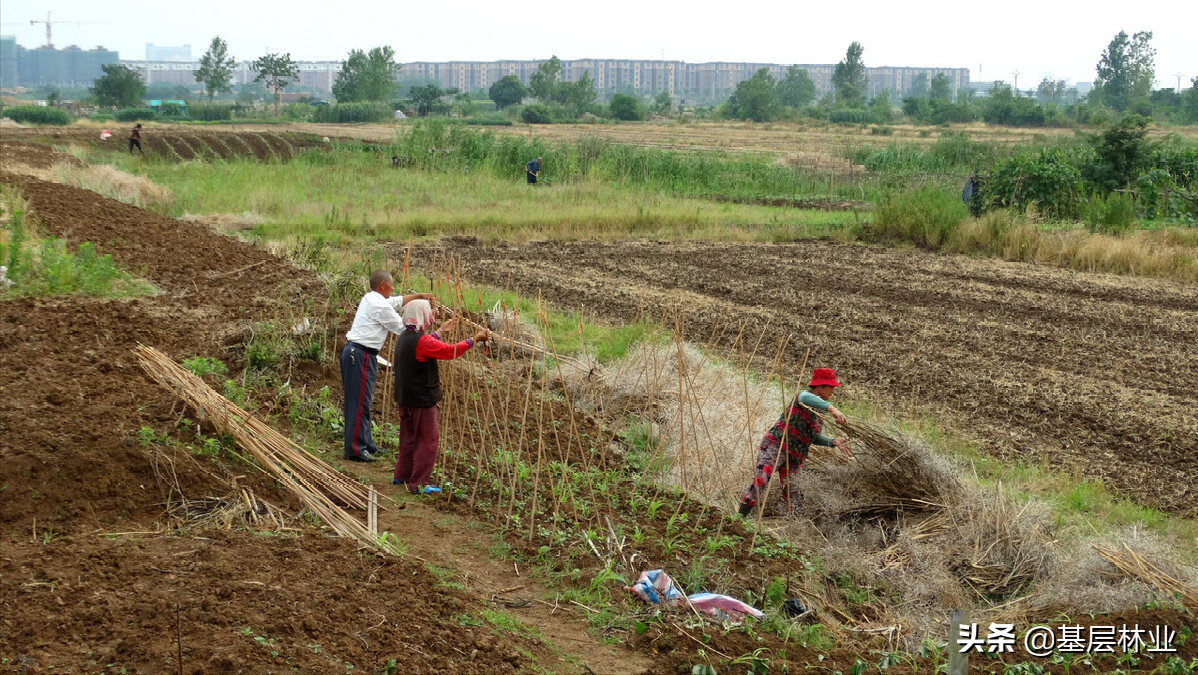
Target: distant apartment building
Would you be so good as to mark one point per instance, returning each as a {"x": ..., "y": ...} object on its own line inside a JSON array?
[
  {"x": 163, "y": 53},
  {"x": 650, "y": 77},
  {"x": 702, "y": 81},
  {"x": 9, "y": 76},
  {"x": 47, "y": 66}
]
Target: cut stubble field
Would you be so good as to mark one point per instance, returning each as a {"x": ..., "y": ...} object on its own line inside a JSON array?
[{"x": 1090, "y": 374}]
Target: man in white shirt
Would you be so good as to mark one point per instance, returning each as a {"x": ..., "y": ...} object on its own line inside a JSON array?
[{"x": 376, "y": 317}]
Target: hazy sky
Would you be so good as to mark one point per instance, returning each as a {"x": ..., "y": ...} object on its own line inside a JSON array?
[{"x": 1041, "y": 38}]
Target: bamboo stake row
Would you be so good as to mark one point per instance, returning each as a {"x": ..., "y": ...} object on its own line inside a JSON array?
[{"x": 321, "y": 488}]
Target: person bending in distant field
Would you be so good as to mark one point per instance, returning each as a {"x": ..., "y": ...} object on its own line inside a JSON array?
[
  {"x": 533, "y": 170},
  {"x": 135, "y": 139},
  {"x": 785, "y": 446},
  {"x": 418, "y": 391},
  {"x": 376, "y": 318}
]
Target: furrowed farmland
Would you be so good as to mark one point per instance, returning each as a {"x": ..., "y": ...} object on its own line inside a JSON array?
[{"x": 1019, "y": 392}]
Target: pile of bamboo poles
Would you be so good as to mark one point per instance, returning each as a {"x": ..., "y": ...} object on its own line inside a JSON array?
[
  {"x": 321, "y": 488},
  {"x": 1133, "y": 565}
]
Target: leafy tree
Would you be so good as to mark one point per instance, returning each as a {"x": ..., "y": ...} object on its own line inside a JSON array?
[
  {"x": 1123, "y": 151},
  {"x": 1189, "y": 102},
  {"x": 849, "y": 78},
  {"x": 507, "y": 90},
  {"x": 1051, "y": 91},
  {"x": 941, "y": 89},
  {"x": 427, "y": 99},
  {"x": 367, "y": 76},
  {"x": 216, "y": 68},
  {"x": 276, "y": 72},
  {"x": 755, "y": 98},
  {"x": 879, "y": 109},
  {"x": 919, "y": 88},
  {"x": 662, "y": 103},
  {"x": 579, "y": 95},
  {"x": 545, "y": 84},
  {"x": 120, "y": 86},
  {"x": 625, "y": 107},
  {"x": 796, "y": 89},
  {"x": 1001, "y": 106},
  {"x": 1126, "y": 69}
]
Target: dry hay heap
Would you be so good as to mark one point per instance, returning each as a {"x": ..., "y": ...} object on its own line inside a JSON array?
[{"x": 906, "y": 514}]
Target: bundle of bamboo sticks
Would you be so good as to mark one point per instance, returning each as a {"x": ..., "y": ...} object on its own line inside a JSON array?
[
  {"x": 321, "y": 488},
  {"x": 1136, "y": 566}
]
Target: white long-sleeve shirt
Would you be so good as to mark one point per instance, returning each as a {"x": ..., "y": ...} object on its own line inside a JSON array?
[{"x": 376, "y": 317}]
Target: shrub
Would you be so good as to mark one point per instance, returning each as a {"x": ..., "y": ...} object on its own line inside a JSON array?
[
  {"x": 626, "y": 108},
  {"x": 353, "y": 112},
  {"x": 925, "y": 217},
  {"x": 205, "y": 112},
  {"x": 849, "y": 117},
  {"x": 491, "y": 120},
  {"x": 135, "y": 115},
  {"x": 536, "y": 114},
  {"x": 1048, "y": 179},
  {"x": 1110, "y": 215},
  {"x": 36, "y": 114}
]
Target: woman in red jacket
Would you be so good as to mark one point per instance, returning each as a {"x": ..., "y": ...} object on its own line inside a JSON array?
[{"x": 418, "y": 391}]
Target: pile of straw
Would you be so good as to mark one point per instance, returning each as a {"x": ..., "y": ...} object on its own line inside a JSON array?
[
  {"x": 1136, "y": 566},
  {"x": 321, "y": 488}
]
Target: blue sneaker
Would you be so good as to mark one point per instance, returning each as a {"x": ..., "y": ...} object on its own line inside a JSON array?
[
  {"x": 429, "y": 489},
  {"x": 396, "y": 481}
]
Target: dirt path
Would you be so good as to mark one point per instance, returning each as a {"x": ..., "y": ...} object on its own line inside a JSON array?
[
  {"x": 461, "y": 545},
  {"x": 1082, "y": 372}
]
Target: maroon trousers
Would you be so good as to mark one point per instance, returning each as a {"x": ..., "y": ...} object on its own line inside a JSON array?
[{"x": 419, "y": 436}]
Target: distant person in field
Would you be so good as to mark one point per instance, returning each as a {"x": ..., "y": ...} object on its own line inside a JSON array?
[
  {"x": 135, "y": 139},
  {"x": 418, "y": 391},
  {"x": 533, "y": 170},
  {"x": 376, "y": 318},
  {"x": 785, "y": 446}
]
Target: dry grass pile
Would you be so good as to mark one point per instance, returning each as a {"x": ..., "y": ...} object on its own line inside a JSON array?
[
  {"x": 1165, "y": 254},
  {"x": 115, "y": 184},
  {"x": 241, "y": 509}
]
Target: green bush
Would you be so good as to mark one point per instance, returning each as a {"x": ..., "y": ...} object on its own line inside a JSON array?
[
  {"x": 536, "y": 114},
  {"x": 353, "y": 112},
  {"x": 135, "y": 115},
  {"x": 1111, "y": 215},
  {"x": 36, "y": 114},
  {"x": 1049, "y": 179},
  {"x": 491, "y": 120},
  {"x": 210, "y": 112},
  {"x": 849, "y": 117},
  {"x": 101, "y": 117},
  {"x": 925, "y": 217}
]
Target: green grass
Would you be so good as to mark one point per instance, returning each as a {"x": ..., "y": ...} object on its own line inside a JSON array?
[
  {"x": 356, "y": 196},
  {"x": 47, "y": 267}
]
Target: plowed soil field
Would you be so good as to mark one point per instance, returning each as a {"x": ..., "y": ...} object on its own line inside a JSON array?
[
  {"x": 89, "y": 582},
  {"x": 177, "y": 143},
  {"x": 1089, "y": 373}
]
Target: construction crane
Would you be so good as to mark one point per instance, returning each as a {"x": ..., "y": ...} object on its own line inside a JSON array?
[{"x": 49, "y": 23}]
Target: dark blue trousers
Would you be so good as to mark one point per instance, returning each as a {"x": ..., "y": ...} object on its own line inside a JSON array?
[{"x": 358, "y": 371}]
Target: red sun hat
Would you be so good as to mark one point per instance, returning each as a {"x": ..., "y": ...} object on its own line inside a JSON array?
[{"x": 823, "y": 376}]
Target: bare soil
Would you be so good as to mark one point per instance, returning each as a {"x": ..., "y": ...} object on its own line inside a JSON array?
[
  {"x": 90, "y": 581},
  {"x": 1089, "y": 373}
]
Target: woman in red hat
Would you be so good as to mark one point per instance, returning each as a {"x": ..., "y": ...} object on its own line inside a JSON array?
[{"x": 787, "y": 443}]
